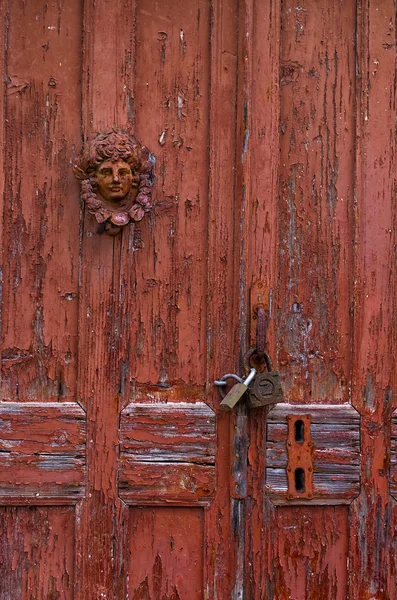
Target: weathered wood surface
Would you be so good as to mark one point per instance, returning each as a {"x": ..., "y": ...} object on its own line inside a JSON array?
[
  {"x": 172, "y": 432},
  {"x": 171, "y": 112},
  {"x": 37, "y": 553},
  {"x": 393, "y": 456},
  {"x": 166, "y": 558},
  {"x": 309, "y": 215},
  {"x": 259, "y": 135},
  {"x": 310, "y": 569},
  {"x": 373, "y": 515},
  {"x": 316, "y": 200},
  {"x": 167, "y": 454},
  {"x": 105, "y": 309},
  {"x": 42, "y": 453},
  {"x": 273, "y": 125},
  {"x": 336, "y": 461},
  {"x": 40, "y": 228},
  {"x": 222, "y": 317}
]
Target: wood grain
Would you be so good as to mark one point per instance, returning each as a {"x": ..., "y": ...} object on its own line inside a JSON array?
[
  {"x": 335, "y": 432},
  {"x": 41, "y": 219},
  {"x": 37, "y": 553},
  {"x": 307, "y": 568},
  {"x": 42, "y": 453},
  {"x": 273, "y": 126},
  {"x": 167, "y": 454},
  {"x": 316, "y": 197},
  {"x": 259, "y": 136},
  {"x": 171, "y": 108},
  {"x": 105, "y": 306},
  {"x": 373, "y": 514},
  {"x": 165, "y": 558},
  {"x": 304, "y": 64}
]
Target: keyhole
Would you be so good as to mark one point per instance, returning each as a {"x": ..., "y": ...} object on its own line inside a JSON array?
[
  {"x": 299, "y": 431},
  {"x": 300, "y": 480}
]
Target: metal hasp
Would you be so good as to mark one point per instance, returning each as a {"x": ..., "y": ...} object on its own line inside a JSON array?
[
  {"x": 266, "y": 388},
  {"x": 300, "y": 457},
  {"x": 262, "y": 383},
  {"x": 116, "y": 174}
]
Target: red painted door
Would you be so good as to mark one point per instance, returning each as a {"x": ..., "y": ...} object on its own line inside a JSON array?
[{"x": 273, "y": 128}]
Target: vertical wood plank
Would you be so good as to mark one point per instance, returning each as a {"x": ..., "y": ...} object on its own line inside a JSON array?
[
  {"x": 183, "y": 108},
  {"x": 105, "y": 313},
  {"x": 317, "y": 77},
  {"x": 172, "y": 117},
  {"x": 260, "y": 139},
  {"x": 222, "y": 293},
  {"x": 4, "y": 17},
  {"x": 303, "y": 215},
  {"x": 372, "y": 536},
  {"x": 40, "y": 224},
  {"x": 239, "y": 439},
  {"x": 108, "y": 69}
]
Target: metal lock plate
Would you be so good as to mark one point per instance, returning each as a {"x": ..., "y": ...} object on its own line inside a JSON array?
[{"x": 265, "y": 389}]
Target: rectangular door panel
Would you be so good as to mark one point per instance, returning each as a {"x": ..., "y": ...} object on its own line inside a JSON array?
[
  {"x": 37, "y": 548},
  {"x": 310, "y": 569},
  {"x": 167, "y": 454},
  {"x": 42, "y": 453},
  {"x": 166, "y": 553}
]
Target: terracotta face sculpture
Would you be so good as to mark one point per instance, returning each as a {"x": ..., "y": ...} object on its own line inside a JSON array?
[
  {"x": 116, "y": 173},
  {"x": 113, "y": 181}
]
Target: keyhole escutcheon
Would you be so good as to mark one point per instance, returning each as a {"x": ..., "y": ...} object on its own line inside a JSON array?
[{"x": 300, "y": 458}]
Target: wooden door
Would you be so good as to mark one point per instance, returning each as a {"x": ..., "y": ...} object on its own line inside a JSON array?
[{"x": 273, "y": 128}]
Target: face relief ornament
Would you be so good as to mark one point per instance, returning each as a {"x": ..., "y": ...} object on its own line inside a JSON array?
[{"x": 116, "y": 174}]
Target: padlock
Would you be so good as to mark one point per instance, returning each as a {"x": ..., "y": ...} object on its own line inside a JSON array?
[
  {"x": 237, "y": 392},
  {"x": 266, "y": 387}
]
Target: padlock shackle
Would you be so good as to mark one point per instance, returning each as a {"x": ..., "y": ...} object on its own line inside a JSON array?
[{"x": 250, "y": 377}]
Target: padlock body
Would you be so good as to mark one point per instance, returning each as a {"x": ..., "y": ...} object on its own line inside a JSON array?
[
  {"x": 233, "y": 396},
  {"x": 265, "y": 389}
]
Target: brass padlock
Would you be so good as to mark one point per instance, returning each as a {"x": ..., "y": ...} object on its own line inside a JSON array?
[
  {"x": 237, "y": 392},
  {"x": 266, "y": 387}
]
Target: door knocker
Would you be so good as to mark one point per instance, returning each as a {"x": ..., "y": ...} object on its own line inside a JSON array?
[{"x": 116, "y": 174}]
